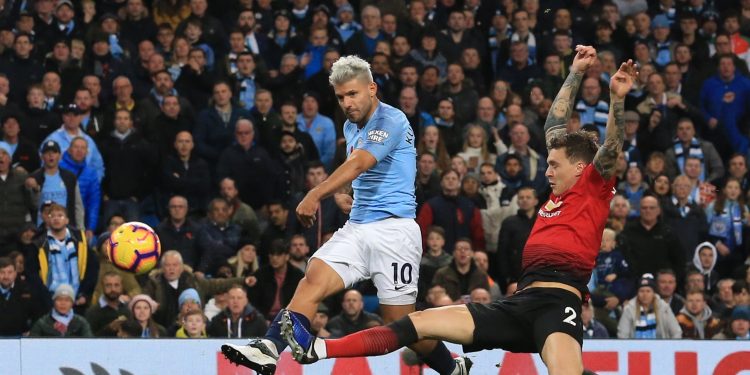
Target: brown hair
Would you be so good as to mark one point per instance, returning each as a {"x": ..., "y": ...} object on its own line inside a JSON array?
[{"x": 579, "y": 146}]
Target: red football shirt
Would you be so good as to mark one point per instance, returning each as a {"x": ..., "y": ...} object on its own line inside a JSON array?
[{"x": 567, "y": 234}]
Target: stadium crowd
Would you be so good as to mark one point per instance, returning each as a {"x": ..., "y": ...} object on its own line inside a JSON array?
[{"x": 211, "y": 120}]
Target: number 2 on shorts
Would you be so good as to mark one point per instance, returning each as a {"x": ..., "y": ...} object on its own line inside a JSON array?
[{"x": 571, "y": 317}]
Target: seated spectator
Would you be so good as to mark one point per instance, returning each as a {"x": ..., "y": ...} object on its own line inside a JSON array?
[
  {"x": 298, "y": 252},
  {"x": 142, "y": 308},
  {"x": 278, "y": 217},
  {"x": 480, "y": 295},
  {"x": 723, "y": 300},
  {"x": 592, "y": 329},
  {"x": 62, "y": 256},
  {"x": 187, "y": 301},
  {"x": 17, "y": 307},
  {"x": 352, "y": 318},
  {"x": 216, "y": 305},
  {"x": 462, "y": 275},
  {"x": 666, "y": 281},
  {"x": 166, "y": 283},
  {"x": 276, "y": 281},
  {"x": 130, "y": 284},
  {"x": 612, "y": 271},
  {"x": 739, "y": 326},
  {"x": 320, "y": 321},
  {"x": 241, "y": 214},
  {"x": 694, "y": 281},
  {"x": 239, "y": 319},
  {"x": 245, "y": 263},
  {"x": 646, "y": 316},
  {"x": 179, "y": 232},
  {"x": 704, "y": 261},
  {"x": 184, "y": 173},
  {"x": 433, "y": 259},
  {"x": 483, "y": 263},
  {"x": 193, "y": 325},
  {"x": 62, "y": 321},
  {"x": 696, "y": 318},
  {"x": 727, "y": 218},
  {"x": 110, "y": 308},
  {"x": 428, "y": 181},
  {"x": 218, "y": 239}
]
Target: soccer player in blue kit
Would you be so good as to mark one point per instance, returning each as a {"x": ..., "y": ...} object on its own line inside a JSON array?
[{"x": 381, "y": 241}]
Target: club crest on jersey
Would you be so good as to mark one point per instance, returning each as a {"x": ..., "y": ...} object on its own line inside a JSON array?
[{"x": 377, "y": 136}]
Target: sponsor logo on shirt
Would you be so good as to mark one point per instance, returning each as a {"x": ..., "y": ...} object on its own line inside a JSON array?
[
  {"x": 545, "y": 211},
  {"x": 377, "y": 136}
]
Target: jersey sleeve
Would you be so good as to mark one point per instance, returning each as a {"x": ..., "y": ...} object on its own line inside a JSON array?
[
  {"x": 605, "y": 189},
  {"x": 386, "y": 134}
]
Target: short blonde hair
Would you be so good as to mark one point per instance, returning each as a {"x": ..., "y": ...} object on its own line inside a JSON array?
[{"x": 347, "y": 68}]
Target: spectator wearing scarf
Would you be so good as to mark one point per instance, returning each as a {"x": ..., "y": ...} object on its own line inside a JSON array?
[
  {"x": 686, "y": 145},
  {"x": 647, "y": 316},
  {"x": 726, "y": 218},
  {"x": 62, "y": 321}
]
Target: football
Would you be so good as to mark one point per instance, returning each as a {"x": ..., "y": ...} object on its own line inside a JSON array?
[{"x": 134, "y": 247}]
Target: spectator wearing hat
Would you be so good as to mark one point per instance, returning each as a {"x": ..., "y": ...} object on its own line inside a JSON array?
[
  {"x": 103, "y": 64},
  {"x": 110, "y": 309},
  {"x": 739, "y": 325},
  {"x": 320, "y": 128},
  {"x": 142, "y": 308},
  {"x": 321, "y": 18},
  {"x": 216, "y": 125},
  {"x": 70, "y": 129},
  {"x": 17, "y": 305},
  {"x": 345, "y": 23},
  {"x": 277, "y": 280},
  {"x": 21, "y": 68},
  {"x": 130, "y": 161},
  {"x": 362, "y": 43},
  {"x": 50, "y": 183},
  {"x": 239, "y": 319},
  {"x": 62, "y": 321},
  {"x": 16, "y": 202},
  {"x": 65, "y": 22},
  {"x": 74, "y": 160},
  {"x": 646, "y": 316},
  {"x": 188, "y": 300}
]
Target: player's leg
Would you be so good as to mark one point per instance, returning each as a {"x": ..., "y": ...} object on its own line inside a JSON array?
[
  {"x": 431, "y": 352},
  {"x": 450, "y": 323},
  {"x": 562, "y": 354}
]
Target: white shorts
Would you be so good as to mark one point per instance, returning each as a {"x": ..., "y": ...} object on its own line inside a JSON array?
[{"x": 386, "y": 251}]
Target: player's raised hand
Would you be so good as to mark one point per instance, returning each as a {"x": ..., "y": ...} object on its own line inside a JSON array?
[
  {"x": 584, "y": 58},
  {"x": 623, "y": 80},
  {"x": 307, "y": 209}
]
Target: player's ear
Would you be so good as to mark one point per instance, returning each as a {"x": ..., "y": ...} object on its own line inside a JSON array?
[
  {"x": 373, "y": 88},
  {"x": 580, "y": 166}
]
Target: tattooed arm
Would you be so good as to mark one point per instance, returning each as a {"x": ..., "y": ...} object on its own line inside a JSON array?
[
  {"x": 619, "y": 86},
  {"x": 562, "y": 107}
]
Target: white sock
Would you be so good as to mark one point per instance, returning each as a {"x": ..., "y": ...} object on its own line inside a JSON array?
[{"x": 320, "y": 348}]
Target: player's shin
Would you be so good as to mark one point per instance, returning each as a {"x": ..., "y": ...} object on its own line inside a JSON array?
[
  {"x": 374, "y": 341},
  {"x": 274, "y": 330},
  {"x": 439, "y": 358}
]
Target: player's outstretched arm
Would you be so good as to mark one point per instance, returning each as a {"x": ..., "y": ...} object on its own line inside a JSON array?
[
  {"x": 562, "y": 107},
  {"x": 619, "y": 86},
  {"x": 358, "y": 162}
]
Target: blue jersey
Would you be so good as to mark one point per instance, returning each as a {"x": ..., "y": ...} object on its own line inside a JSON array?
[{"x": 386, "y": 189}]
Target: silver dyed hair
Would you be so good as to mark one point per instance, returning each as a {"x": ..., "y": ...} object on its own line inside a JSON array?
[{"x": 348, "y": 68}]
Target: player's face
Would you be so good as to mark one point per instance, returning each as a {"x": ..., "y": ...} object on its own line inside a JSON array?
[
  {"x": 561, "y": 173},
  {"x": 356, "y": 99}
]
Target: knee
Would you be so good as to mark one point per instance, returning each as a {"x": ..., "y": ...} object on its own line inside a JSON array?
[{"x": 310, "y": 290}]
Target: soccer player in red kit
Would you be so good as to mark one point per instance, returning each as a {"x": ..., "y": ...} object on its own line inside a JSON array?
[{"x": 544, "y": 315}]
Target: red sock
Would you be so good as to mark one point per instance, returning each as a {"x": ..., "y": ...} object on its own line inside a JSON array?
[{"x": 373, "y": 341}]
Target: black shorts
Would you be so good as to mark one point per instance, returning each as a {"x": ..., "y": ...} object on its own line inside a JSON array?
[{"x": 522, "y": 322}]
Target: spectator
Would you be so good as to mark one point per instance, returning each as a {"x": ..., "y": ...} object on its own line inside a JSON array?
[
  {"x": 462, "y": 275},
  {"x": 704, "y": 261},
  {"x": 443, "y": 210},
  {"x": 239, "y": 319},
  {"x": 463, "y": 95},
  {"x": 70, "y": 129},
  {"x": 45, "y": 186},
  {"x": 694, "y": 281},
  {"x": 686, "y": 144},
  {"x": 265, "y": 116},
  {"x": 687, "y": 220},
  {"x": 130, "y": 161},
  {"x": 518, "y": 71},
  {"x": 646, "y": 316},
  {"x": 187, "y": 301},
  {"x": 612, "y": 271},
  {"x": 513, "y": 235},
  {"x": 737, "y": 168},
  {"x": 320, "y": 321},
  {"x": 92, "y": 121},
  {"x": 16, "y": 203},
  {"x": 245, "y": 263},
  {"x": 17, "y": 306},
  {"x": 241, "y": 214},
  {"x": 172, "y": 120},
  {"x": 218, "y": 239},
  {"x": 277, "y": 281},
  {"x": 142, "y": 308},
  {"x": 20, "y": 66},
  {"x": 433, "y": 259},
  {"x": 428, "y": 182},
  {"x": 483, "y": 263},
  {"x": 216, "y": 124},
  {"x": 149, "y": 107},
  {"x": 179, "y": 232},
  {"x": 193, "y": 325},
  {"x": 278, "y": 217},
  {"x": 111, "y": 308},
  {"x": 723, "y": 300},
  {"x": 696, "y": 318},
  {"x": 592, "y": 108},
  {"x": 501, "y": 203},
  {"x": 480, "y": 295},
  {"x": 320, "y": 128},
  {"x": 62, "y": 256},
  {"x": 667, "y": 289},
  {"x": 184, "y": 173},
  {"x": 592, "y": 329},
  {"x": 62, "y": 321},
  {"x": 172, "y": 278},
  {"x": 362, "y": 43},
  {"x": 74, "y": 160},
  {"x": 633, "y": 188},
  {"x": 727, "y": 217},
  {"x": 352, "y": 318},
  {"x": 246, "y": 163},
  {"x": 298, "y": 252},
  {"x": 123, "y": 99},
  {"x": 534, "y": 165},
  {"x": 649, "y": 244},
  {"x": 724, "y": 98},
  {"x": 23, "y": 152},
  {"x": 739, "y": 326}
]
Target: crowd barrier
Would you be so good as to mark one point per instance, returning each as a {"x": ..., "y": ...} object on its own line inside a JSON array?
[{"x": 170, "y": 356}]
